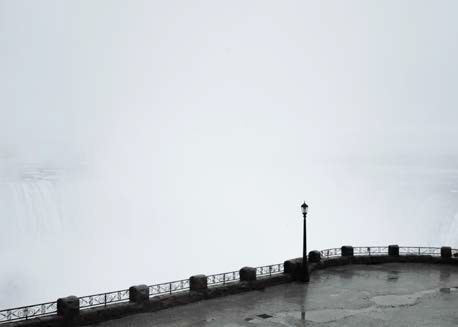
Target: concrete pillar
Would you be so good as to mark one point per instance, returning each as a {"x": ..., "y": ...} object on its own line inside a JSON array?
[
  {"x": 288, "y": 266},
  {"x": 347, "y": 251},
  {"x": 446, "y": 252},
  {"x": 68, "y": 307},
  {"x": 293, "y": 267},
  {"x": 247, "y": 274},
  {"x": 139, "y": 294},
  {"x": 314, "y": 256},
  {"x": 393, "y": 250},
  {"x": 198, "y": 283}
]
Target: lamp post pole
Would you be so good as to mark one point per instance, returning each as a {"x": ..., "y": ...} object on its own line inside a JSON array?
[{"x": 305, "y": 272}]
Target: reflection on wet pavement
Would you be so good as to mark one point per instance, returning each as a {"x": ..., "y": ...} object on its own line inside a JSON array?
[{"x": 382, "y": 295}]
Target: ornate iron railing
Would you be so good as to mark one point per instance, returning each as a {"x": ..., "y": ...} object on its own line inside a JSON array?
[
  {"x": 269, "y": 270},
  {"x": 329, "y": 253},
  {"x": 409, "y": 250},
  {"x": 104, "y": 299},
  {"x": 24, "y": 313},
  {"x": 383, "y": 250},
  {"x": 370, "y": 250},
  {"x": 222, "y": 279},
  {"x": 169, "y": 288}
]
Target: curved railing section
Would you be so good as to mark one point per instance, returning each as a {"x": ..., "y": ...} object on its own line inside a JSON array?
[
  {"x": 383, "y": 250},
  {"x": 105, "y": 299}
]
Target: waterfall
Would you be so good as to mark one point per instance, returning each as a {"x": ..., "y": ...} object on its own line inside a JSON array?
[{"x": 31, "y": 204}]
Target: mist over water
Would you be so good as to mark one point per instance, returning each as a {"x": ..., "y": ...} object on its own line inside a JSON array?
[
  {"x": 56, "y": 244},
  {"x": 148, "y": 142}
]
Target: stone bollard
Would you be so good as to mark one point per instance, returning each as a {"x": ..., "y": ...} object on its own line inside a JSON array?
[
  {"x": 347, "y": 251},
  {"x": 293, "y": 267},
  {"x": 247, "y": 274},
  {"x": 446, "y": 252},
  {"x": 198, "y": 283},
  {"x": 139, "y": 294},
  {"x": 289, "y": 266},
  {"x": 393, "y": 250},
  {"x": 314, "y": 256},
  {"x": 69, "y": 309}
]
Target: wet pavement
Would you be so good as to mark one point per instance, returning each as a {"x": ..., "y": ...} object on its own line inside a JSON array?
[{"x": 356, "y": 295}]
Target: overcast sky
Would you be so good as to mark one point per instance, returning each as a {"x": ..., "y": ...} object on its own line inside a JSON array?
[{"x": 189, "y": 132}]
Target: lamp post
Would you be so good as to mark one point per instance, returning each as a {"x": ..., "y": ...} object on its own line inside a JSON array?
[{"x": 305, "y": 272}]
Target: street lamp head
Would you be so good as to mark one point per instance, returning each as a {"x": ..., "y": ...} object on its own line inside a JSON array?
[{"x": 304, "y": 208}]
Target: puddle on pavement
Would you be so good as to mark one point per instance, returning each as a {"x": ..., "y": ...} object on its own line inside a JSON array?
[
  {"x": 326, "y": 315},
  {"x": 408, "y": 299},
  {"x": 380, "y": 302},
  {"x": 393, "y": 276},
  {"x": 264, "y": 316},
  {"x": 399, "y": 300}
]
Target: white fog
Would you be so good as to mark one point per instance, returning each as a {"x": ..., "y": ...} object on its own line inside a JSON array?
[{"x": 147, "y": 141}]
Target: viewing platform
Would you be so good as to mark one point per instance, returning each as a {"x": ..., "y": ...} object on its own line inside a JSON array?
[
  {"x": 348, "y": 285},
  {"x": 391, "y": 294}
]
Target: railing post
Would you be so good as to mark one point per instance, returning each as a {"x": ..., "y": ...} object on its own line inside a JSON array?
[
  {"x": 247, "y": 274},
  {"x": 139, "y": 294},
  {"x": 293, "y": 267},
  {"x": 393, "y": 250},
  {"x": 198, "y": 283},
  {"x": 69, "y": 308},
  {"x": 446, "y": 252},
  {"x": 347, "y": 251},
  {"x": 314, "y": 256}
]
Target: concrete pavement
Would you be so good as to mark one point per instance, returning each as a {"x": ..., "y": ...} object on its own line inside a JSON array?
[{"x": 355, "y": 295}]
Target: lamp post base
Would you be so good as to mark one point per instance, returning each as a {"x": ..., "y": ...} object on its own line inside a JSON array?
[{"x": 305, "y": 274}]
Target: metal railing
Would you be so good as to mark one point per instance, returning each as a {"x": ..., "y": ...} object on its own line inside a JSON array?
[
  {"x": 383, "y": 250},
  {"x": 410, "y": 250},
  {"x": 104, "y": 299},
  {"x": 269, "y": 270},
  {"x": 169, "y": 288},
  {"x": 329, "y": 253},
  {"x": 222, "y": 279},
  {"x": 24, "y": 313},
  {"x": 370, "y": 250}
]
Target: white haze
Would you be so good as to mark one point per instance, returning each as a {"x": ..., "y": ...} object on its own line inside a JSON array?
[{"x": 143, "y": 142}]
